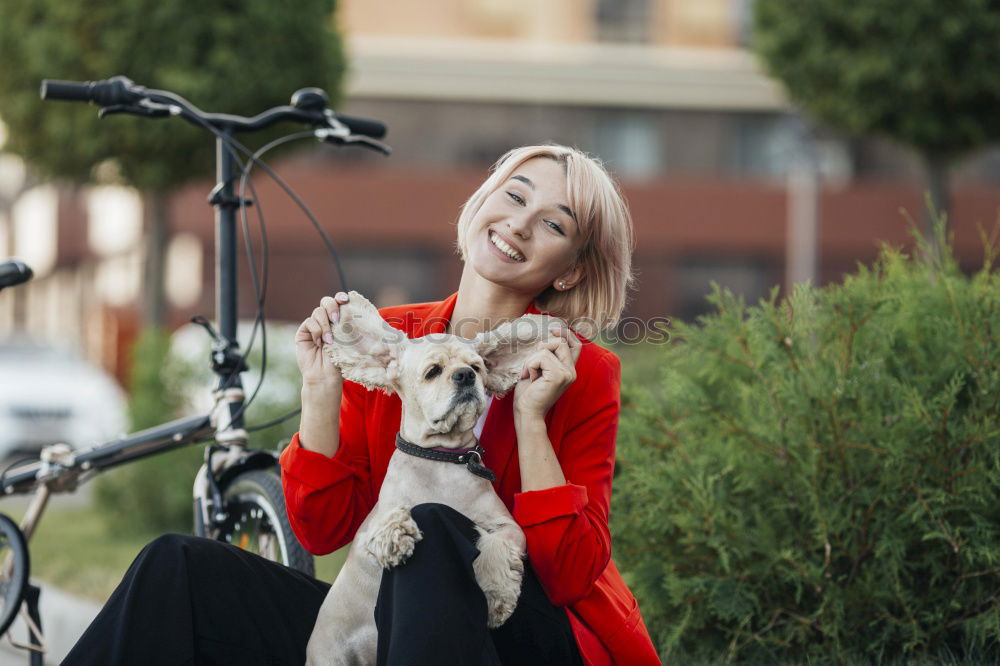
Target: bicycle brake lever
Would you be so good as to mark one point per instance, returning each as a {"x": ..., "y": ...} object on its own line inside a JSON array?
[
  {"x": 339, "y": 138},
  {"x": 132, "y": 110},
  {"x": 368, "y": 142},
  {"x": 143, "y": 108}
]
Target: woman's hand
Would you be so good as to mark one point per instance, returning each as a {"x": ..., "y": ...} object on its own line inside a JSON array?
[
  {"x": 546, "y": 375},
  {"x": 316, "y": 369}
]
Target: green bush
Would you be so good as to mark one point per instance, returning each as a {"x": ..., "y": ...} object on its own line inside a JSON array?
[
  {"x": 817, "y": 480},
  {"x": 152, "y": 494}
]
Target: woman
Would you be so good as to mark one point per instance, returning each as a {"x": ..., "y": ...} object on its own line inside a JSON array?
[{"x": 547, "y": 231}]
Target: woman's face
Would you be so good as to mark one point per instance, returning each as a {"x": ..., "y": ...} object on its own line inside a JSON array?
[{"x": 525, "y": 237}]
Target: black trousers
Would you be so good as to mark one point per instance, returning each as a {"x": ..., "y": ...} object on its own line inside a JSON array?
[{"x": 187, "y": 600}]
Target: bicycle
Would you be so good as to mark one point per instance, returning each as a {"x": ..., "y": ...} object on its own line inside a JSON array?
[{"x": 237, "y": 491}]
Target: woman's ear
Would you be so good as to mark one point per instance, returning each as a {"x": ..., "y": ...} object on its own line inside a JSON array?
[
  {"x": 505, "y": 349},
  {"x": 569, "y": 279},
  {"x": 365, "y": 347}
]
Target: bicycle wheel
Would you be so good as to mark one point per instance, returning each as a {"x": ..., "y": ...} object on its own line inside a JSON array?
[
  {"x": 14, "y": 568},
  {"x": 257, "y": 522}
]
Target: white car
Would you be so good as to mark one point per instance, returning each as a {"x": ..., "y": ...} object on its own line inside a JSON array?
[{"x": 49, "y": 395}]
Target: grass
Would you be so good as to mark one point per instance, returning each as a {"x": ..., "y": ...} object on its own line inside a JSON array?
[{"x": 73, "y": 550}]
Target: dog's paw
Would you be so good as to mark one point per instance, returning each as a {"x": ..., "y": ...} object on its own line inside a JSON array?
[
  {"x": 499, "y": 570},
  {"x": 500, "y": 606},
  {"x": 392, "y": 543}
]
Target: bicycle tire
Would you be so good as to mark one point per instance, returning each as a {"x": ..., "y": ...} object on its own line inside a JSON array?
[
  {"x": 15, "y": 567},
  {"x": 256, "y": 520}
]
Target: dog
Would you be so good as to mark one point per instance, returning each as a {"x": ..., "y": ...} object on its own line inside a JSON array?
[{"x": 442, "y": 382}]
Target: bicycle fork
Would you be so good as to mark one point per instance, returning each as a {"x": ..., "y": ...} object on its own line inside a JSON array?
[{"x": 208, "y": 502}]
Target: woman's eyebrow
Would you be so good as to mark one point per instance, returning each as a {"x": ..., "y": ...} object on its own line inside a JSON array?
[
  {"x": 564, "y": 208},
  {"x": 527, "y": 181}
]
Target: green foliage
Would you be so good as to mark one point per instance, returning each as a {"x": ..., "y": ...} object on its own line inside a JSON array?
[
  {"x": 920, "y": 71},
  {"x": 818, "y": 479},
  {"x": 222, "y": 56},
  {"x": 153, "y": 494}
]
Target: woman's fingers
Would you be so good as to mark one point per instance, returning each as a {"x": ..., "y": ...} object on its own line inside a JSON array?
[
  {"x": 309, "y": 331},
  {"x": 332, "y": 305},
  {"x": 563, "y": 353},
  {"x": 573, "y": 343},
  {"x": 545, "y": 363},
  {"x": 565, "y": 346},
  {"x": 326, "y": 315}
]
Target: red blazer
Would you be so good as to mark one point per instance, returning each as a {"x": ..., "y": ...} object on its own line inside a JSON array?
[{"x": 566, "y": 527}]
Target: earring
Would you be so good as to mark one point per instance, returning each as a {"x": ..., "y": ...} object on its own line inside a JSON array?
[{"x": 562, "y": 284}]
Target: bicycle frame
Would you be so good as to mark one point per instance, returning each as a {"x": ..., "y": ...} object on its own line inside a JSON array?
[{"x": 60, "y": 468}]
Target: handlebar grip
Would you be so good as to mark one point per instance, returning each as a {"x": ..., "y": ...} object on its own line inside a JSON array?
[
  {"x": 14, "y": 272},
  {"x": 116, "y": 90},
  {"x": 363, "y": 126},
  {"x": 72, "y": 91}
]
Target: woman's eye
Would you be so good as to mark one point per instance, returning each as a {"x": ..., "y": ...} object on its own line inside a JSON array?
[
  {"x": 433, "y": 372},
  {"x": 555, "y": 226},
  {"x": 516, "y": 198}
]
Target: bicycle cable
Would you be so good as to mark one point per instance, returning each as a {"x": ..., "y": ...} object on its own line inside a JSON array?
[
  {"x": 260, "y": 289},
  {"x": 274, "y": 421}
]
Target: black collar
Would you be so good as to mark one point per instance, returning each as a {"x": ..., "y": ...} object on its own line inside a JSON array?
[{"x": 471, "y": 458}]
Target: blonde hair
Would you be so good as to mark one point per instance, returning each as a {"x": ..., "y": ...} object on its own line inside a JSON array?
[{"x": 597, "y": 301}]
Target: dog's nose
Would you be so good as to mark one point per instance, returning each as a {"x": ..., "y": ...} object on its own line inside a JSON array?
[{"x": 464, "y": 376}]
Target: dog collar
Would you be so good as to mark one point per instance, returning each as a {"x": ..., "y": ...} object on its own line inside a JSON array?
[{"x": 471, "y": 458}]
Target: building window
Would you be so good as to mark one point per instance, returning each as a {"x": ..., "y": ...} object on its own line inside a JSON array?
[
  {"x": 622, "y": 20},
  {"x": 764, "y": 146},
  {"x": 749, "y": 277},
  {"x": 630, "y": 144}
]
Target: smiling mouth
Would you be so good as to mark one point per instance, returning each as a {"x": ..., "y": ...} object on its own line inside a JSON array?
[{"x": 499, "y": 244}]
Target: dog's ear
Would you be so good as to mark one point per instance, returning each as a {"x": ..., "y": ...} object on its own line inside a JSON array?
[
  {"x": 365, "y": 347},
  {"x": 508, "y": 346}
]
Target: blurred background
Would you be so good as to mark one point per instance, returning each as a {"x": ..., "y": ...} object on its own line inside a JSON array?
[{"x": 709, "y": 151}]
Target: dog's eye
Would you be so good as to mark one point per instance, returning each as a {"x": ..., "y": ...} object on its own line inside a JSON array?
[
  {"x": 477, "y": 368},
  {"x": 433, "y": 372}
]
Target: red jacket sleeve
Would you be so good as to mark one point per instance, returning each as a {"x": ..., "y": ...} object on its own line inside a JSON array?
[
  {"x": 566, "y": 527},
  {"x": 328, "y": 498}
]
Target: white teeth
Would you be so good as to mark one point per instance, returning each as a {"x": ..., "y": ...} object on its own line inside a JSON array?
[{"x": 506, "y": 249}]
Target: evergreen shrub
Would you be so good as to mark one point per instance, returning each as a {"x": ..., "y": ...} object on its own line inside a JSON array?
[{"x": 817, "y": 479}]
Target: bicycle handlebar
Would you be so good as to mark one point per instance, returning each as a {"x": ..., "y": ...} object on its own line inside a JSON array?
[{"x": 120, "y": 95}]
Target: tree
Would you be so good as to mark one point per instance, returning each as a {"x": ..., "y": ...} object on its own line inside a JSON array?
[
  {"x": 238, "y": 57},
  {"x": 922, "y": 72}
]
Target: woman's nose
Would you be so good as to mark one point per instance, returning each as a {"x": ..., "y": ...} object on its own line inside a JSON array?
[{"x": 520, "y": 226}]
